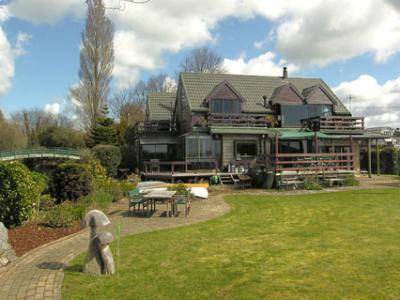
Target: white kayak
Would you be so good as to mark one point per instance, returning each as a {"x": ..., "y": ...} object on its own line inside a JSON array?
[{"x": 199, "y": 192}]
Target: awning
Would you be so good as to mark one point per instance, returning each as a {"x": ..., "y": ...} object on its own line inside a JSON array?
[
  {"x": 158, "y": 140},
  {"x": 293, "y": 134},
  {"x": 242, "y": 130}
]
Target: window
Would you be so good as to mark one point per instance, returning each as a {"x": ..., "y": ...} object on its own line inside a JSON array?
[
  {"x": 159, "y": 151},
  {"x": 319, "y": 110},
  {"x": 245, "y": 149},
  {"x": 202, "y": 147},
  {"x": 293, "y": 114},
  {"x": 225, "y": 106},
  {"x": 291, "y": 147}
]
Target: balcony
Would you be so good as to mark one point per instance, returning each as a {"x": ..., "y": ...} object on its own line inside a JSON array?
[
  {"x": 335, "y": 124},
  {"x": 239, "y": 120},
  {"x": 155, "y": 127}
]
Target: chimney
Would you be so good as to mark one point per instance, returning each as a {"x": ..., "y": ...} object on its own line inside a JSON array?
[
  {"x": 284, "y": 73},
  {"x": 265, "y": 101}
]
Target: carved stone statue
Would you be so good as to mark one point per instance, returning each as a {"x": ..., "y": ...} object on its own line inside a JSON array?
[
  {"x": 7, "y": 254},
  {"x": 99, "y": 259}
]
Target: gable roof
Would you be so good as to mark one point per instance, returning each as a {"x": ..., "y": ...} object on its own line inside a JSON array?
[
  {"x": 224, "y": 90},
  {"x": 317, "y": 95},
  {"x": 287, "y": 94},
  {"x": 160, "y": 106},
  {"x": 252, "y": 88}
]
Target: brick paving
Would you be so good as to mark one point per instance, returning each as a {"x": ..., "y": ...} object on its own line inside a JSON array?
[{"x": 39, "y": 273}]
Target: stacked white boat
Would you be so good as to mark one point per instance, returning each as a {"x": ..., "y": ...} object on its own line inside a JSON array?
[{"x": 199, "y": 190}]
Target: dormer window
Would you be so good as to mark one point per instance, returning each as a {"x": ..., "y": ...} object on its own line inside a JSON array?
[
  {"x": 225, "y": 106},
  {"x": 224, "y": 99}
]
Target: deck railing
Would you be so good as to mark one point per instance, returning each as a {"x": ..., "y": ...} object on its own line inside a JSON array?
[
  {"x": 238, "y": 120},
  {"x": 336, "y": 124},
  {"x": 154, "y": 127},
  {"x": 314, "y": 162}
]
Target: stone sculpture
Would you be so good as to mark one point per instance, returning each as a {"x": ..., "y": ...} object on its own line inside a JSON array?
[
  {"x": 7, "y": 255},
  {"x": 99, "y": 259}
]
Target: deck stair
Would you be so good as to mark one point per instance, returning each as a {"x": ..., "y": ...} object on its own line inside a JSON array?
[{"x": 228, "y": 178}]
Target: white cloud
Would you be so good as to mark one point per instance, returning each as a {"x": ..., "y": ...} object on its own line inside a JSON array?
[
  {"x": 22, "y": 39},
  {"x": 306, "y": 33},
  {"x": 170, "y": 84},
  {"x": 53, "y": 108},
  {"x": 6, "y": 63},
  {"x": 45, "y": 11},
  {"x": 261, "y": 65},
  {"x": 332, "y": 30},
  {"x": 380, "y": 104},
  {"x": 4, "y": 13}
]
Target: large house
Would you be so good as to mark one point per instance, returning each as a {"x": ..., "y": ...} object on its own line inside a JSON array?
[{"x": 229, "y": 124}]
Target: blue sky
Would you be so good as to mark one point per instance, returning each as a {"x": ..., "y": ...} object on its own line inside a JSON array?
[{"x": 336, "y": 40}]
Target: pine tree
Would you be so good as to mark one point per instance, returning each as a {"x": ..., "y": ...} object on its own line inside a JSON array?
[{"x": 104, "y": 132}]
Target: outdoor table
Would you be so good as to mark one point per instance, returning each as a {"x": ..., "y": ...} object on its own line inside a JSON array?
[{"x": 162, "y": 196}]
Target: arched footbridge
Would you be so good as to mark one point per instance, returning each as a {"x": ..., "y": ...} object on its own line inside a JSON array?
[{"x": 40, "y": 153}]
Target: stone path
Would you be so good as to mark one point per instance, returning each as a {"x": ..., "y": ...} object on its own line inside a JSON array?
[{"x": 39, "y": 273}]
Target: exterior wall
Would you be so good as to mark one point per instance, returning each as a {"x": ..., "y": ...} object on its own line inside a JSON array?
[
  {"x": 356, "y": 150},
  {"x": 228, "y": 146}
]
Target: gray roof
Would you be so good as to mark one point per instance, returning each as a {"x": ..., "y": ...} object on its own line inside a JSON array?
[
  {"x": 252, "y": 88},
  {"x": 160, "y": 106}
]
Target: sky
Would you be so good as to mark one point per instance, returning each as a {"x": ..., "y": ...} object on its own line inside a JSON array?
[{"x": 353, "y": 45}]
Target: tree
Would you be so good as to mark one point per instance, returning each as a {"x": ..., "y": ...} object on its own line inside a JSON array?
[
  {"x": 11, "y": 136},
  {"x": 32, "y": 123},
  {"x": 96, "y": 65},
  {"x": 104, "y": 132},
  {"x": 202, "y": 60},
  {"x": 61, "y": 137}
]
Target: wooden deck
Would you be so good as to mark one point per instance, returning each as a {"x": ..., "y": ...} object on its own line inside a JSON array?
[{"x": 185, "y": 176}]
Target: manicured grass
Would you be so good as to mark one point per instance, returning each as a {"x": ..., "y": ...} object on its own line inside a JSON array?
[{"x": 318, "y": 246}]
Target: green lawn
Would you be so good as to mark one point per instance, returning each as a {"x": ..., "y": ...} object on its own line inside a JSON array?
[{"x": 318, "y": 246}]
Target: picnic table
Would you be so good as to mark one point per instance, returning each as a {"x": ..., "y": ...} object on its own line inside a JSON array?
[{"x": 160, "y": 196}]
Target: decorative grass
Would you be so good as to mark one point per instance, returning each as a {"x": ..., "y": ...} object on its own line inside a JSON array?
[{"x": 315, "y": 246}]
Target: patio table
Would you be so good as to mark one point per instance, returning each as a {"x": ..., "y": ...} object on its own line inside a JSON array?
[{"x": 160, "y": 196}]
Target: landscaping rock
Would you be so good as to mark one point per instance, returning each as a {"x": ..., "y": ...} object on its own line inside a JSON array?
[{"x": 7, "y": 255}]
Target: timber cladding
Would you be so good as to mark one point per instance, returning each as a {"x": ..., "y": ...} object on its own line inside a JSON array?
[{"x": 228, "y": 146}]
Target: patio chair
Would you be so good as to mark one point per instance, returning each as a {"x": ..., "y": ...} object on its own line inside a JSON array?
[
  {"x": 181, "y": 200},
  {"x": 134, "y": 200}
]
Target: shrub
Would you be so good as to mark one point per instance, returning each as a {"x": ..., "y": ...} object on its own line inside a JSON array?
[
  {"x": 180, "y": 188},
  {"x": 114, "y": 188},
  {"x": 70, "y": 181},
  {"x": 311, "y": 183},
  {"x": 98, "y": 173},
  {"x": 18, "y": 193},
  {"x": 46, "y": 202},
  {"x": 350, "y": 181},
  {"x": 109, "y": 156},
  {"x": 101, "y": 199},
  {"x": 127, "y": 186},
  {"x": 61, "y": 216}
]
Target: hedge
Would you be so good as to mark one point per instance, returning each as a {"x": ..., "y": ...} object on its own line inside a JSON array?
[{"x": 18, "y": 193}]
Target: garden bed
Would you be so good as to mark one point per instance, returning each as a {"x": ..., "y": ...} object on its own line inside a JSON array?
[{"x": 32, "y": 235}]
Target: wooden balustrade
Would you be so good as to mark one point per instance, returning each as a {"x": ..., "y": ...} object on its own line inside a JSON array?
[
  {"x": 314, "y": 162},
  {"x": 238, "y": 120},
  {"x": 336, "y": 124}
]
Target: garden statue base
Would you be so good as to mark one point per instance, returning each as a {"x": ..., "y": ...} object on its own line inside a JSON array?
[{"x": 7, "y": 255}]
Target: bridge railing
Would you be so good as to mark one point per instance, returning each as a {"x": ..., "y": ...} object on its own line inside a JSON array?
[{"x": 28, "y": 152}]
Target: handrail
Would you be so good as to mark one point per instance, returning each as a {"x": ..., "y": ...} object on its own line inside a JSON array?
[{"x": 39, "y": 152}]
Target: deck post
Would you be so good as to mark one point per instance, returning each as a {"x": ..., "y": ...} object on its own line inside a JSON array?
[
  {"x": 276, "y": 150},
  {"x": 378, "y": 161},
  {"x": 369, "y": 159}
]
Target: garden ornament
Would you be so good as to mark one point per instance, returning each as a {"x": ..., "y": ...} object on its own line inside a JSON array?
[{"x": 99, "y": 259}]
